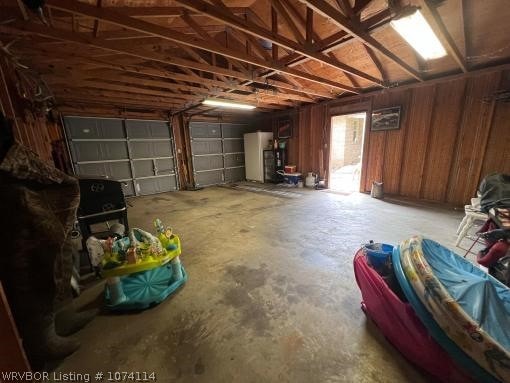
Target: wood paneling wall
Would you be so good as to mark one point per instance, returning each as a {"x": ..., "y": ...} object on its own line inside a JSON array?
[
  {"x": 452, "y": 134},
  {"x": 31, "y": 128}
]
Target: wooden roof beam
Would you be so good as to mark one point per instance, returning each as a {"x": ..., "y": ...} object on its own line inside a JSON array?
[
  {"x": 147, "y": 86},
  {"x": 334, "y": 41},
  {"x": 89, "y": 98},
  {"x": 328, "y": 11},
  {"x": 107, "y": 15},
  {"x": 145, "y": 12},
  {"x": 437, "y": 25},
  {"x": 191, "y": 77},
  {"x": 360, "y": 5},
  {"x": 274, "y": 30},
  {"x": 95, "y": 33},
  {"x": 37, "y": 29},
  {"x": 345, "y": 5},
  {"x": 277, "y": 5},
  {"x": 309, "y": 26},
  {"x": 377, "y": 63},
  {"x": 299, "y": 19},
  {"x": 220, "y": 14}
]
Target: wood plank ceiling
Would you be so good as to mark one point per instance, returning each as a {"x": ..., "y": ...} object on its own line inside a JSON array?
[{"x": 275, "y": 54}]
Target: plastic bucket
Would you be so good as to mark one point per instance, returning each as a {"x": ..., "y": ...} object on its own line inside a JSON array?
[{"x": 378, "y": 254}]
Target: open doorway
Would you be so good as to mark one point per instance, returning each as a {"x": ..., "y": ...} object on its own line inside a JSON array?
[{"x": 347, "y": 132}]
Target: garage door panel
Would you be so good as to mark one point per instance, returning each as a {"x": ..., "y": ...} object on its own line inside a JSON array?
[
  {"x": 150, "y": 149},
  {"x": 208, "y": 162},
  {"x": 147, "y": 129},
  {"x": 216, "y": 148},
  {"x": 234, "y": 160},
  {"x": 144, "y": 168},
  {"x": 99, "y": 147},
  {"x": 114, "y": 170},
  {"x": 93, "y": 128},
  {"x": 209, "y": 178},
  {"x": 235, "y": 174},
  {"x": 128, "y": 189},
  {"x": 234, "y": 130},
  {"x": 156, "y": 185},
  {"x": 165, "y": 166},
  {"x": 205, "y": 130},
  {"x": 206, "y": 147},
  {"x": 233, "y": 146},
  {"x": 97, "y": 151}
]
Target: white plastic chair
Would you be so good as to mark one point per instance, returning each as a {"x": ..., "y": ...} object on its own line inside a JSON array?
[{"x": 473, "y": 214}]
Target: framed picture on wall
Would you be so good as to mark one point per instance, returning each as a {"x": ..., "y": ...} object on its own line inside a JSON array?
[
  {"x": 386, "y": 119},
  {"x": 284, "y": 127}
]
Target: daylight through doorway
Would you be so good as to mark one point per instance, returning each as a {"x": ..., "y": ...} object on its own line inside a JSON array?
[{"x": 347, "y": 132}]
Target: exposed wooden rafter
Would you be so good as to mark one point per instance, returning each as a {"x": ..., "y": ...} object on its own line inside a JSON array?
[
  {"x": 37, "y": 29},
  {"x": 228, "y": 18},
  {"x": 333, "y": 42},
  {"x": 116, "y": 18},
  {"x": 277, "y": 5},
  {"x": 327, "y": 10},
  {"x": 437, "y": 25}
]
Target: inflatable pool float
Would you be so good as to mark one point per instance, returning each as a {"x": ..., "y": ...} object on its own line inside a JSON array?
[
  {"x": 471, "y": 307},
  {"x": 454, "y": 351},
  {"x": 402, "y": 327}
]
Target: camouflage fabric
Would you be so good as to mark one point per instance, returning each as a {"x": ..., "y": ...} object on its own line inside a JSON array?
[{"x": 38, "y": 208}]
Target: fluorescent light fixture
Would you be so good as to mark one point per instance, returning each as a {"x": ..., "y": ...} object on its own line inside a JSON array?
[
  {"x": 417, "y": 32},
  {"x": 227, "y": 104}
]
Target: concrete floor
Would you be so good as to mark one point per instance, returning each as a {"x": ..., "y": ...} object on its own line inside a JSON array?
[{"x": 271, "y": 295}]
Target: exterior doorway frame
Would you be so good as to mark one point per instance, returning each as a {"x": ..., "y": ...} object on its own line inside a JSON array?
[{"x": 358, "y": 107}]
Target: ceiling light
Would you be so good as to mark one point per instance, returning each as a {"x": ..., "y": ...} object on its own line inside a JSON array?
[
  {"x": 227, "y": 104},
  {"x": 417, "y": 32}
]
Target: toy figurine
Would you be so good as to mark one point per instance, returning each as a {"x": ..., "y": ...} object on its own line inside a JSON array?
[
  {"x": 131, "y": 255},
  {"x": 165, "y": 235}
]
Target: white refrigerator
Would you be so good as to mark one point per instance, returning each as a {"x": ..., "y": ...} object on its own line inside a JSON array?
[{"x": 254, "y": 145}]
